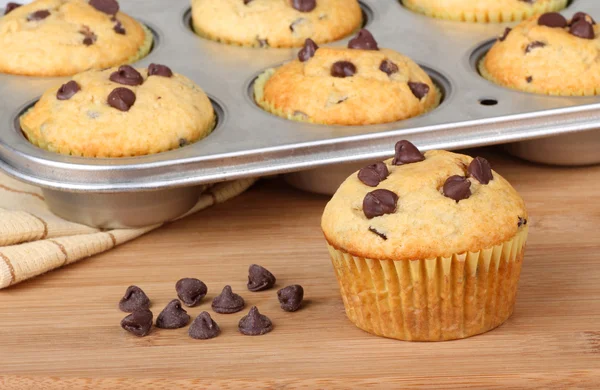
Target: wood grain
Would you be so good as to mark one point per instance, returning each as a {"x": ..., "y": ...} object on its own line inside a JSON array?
[{"x": 61, "y": 330}]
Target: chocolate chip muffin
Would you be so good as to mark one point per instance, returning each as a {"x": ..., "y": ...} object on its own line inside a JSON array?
[
  {"x": 547, "y": 55},
  {"x": 484, "y": 11},
  {"x": 427, "y": 247},
  {"x": 275, "y": 23},
  {"x": 360, "y": 85},
  {"x": 64, "y": 37},
  {"x": 120, "y": 112}
]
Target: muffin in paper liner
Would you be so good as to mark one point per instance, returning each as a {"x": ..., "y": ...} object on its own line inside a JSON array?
[
  {"x": 498, "y": 11},
  {"x": 436, "y": 299},
  {"x": 537, "y": 58}
]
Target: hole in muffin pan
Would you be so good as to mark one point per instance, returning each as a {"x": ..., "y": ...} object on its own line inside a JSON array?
[
  {"x": 218, "y": 107},
  {"x": 367, "y": 14},
  {"x": 488, "y": 102},
  {"x": 439, "y": 80}
]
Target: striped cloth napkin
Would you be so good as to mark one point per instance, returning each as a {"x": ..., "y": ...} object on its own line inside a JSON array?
[{"x": 34, "y": 241}]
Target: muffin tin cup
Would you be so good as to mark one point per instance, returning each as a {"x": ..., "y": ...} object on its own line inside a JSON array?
[{"x": 249, "y": 142}]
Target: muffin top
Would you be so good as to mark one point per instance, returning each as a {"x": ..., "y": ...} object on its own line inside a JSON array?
[
  {"x": 548, "y": 55},
  {"x": 484, "y": 11},
  {"x": 359, "y": 85},
  {"x": 417, "y": 206},
  {"x": 64, "y": 37},
  {"x": 120, "y": 112},
  {"x": 275, "y": 23}
]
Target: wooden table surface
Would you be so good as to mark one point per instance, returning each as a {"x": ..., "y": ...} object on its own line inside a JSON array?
[{"x": 61, "y": 330}]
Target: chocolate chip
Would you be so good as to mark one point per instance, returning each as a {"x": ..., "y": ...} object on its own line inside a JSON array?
[
  {"x": 127, "y": 75},
  {"x": 39, "y": 15},
  {"x": 552, "y": 19},
  {"x": 88, "y": 41},
  {"x": 259, "y": 278},
  {"x": 582, "y": 29},
  {"x": 159, "y": 70},
  {"x": 373, "y": 174},
  {"x": 343, "y": 69},
  {"x": 190, "y": 290},
  {"x": 296, "y": 23},
  {"x": 406, "y": 153},
  {"x": 247, "y": 1},
  {"x": 507, "y": 31},
  {"x": 534, "y": 45},
  {"x": 262, "y": 42},
  {"x": 457, "y": 188},
  {"x": 529, "y": 79},
  {"x": 388, "y": 67},
  {"x": 255, "y": 324},
  {"x": 11, "y": 7},
  {"x": 418, "y": 89},
  {"x": 308, "y": 50},
  {"x": 121, "y": 98},
  {"x": 119, "y": 29},
  {"x": 374, "y": 231},
  {"x": 379, "y": 202},
  {"x": 204, "y": 327},
  {"x": 304, "y": 5},
  {"x": 173, "y": 316},
  {"x": 290, "y": 297},
  {"x": 110, "y": 7},
  {"x": 481, "y": 170},
  {"x": 228, "y": 302},
  {"x": 521, "y": 222},
  {"x": 67, "y": 90},
  {"x": 363, "y": 41},
  {"x": 89, "y": 35},
  {"x": 582, "y": 16},
  {"x": 134, "y": 299},
  {"x": 138, "y": 323},
  {"x": 182, "y": 141}
]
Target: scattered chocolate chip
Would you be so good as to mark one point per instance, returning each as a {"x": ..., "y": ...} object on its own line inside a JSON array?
[
  {"x": 110, "y": 7},
  {"x": 552, "y": 19},
  {"x": 521, "y": 222},
  {"x": 255, "y": 324},
  {"x": 507, "y": 31},
  {"x": 308, "y": 50},
  {"x": 418, "y": 89},
  {"x": 406, "y": 153},
  {"x": 39, "y": 15},
  {"x": 173, "y": 316},
  {"x": 11, "y": 7},
  {"x": 374, "y": 231},
  {"x": 582, "y": 16},
  {"x": 119, "y": 29},
  {"x": 138, "y": 322},
  {"x": 296, "y": 23},
  {"x": 190, "y": 290},
  {"x": 228, "y": 302},
  {"x": 379, "y": 202},
  {"x": 388, "y": 67},
  {"x": 363, "y": 41},
  {"x": 304, "y": 5},
  {"x": 457, "y": 188},
  {"x": 534, "y": 45},
  {"x": 481, "y": 170},
  {"x": 529, "y": 79},
  {"x": 582, "y": 29},
  {"x": 159, "y": 70},
  {"x": 134, "y": 299},
  {"x": 290, "y": 297},
  {"x": 204, "y": 327},
  {"x": 88, "y": 41},
  {"x": 67, "y": 90},
  {"x": 259, "y": 278},
  {"x": 127, "y": 75},
  {"x": 121, "y": 98},
  {"x": 373, "y": 174},
  {"x": 343, "y": 69}
]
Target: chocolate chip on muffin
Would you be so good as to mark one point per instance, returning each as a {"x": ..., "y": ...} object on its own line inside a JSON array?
[
  {"x": 534, "y": 45},
  {"x": 121, "y": 98},
  {"x": 67, "y": 90},
  {"x": 255, "y": 324},
  {"x": 420, "y": 90},
  {"x": 119, "y": 29},
  {"x": 457, "y": 188},
  {"x": 134, "y": 299},
  {"x": 38, "y": 15},
  {"x": 204, "y": 327},
  {"x": 11, "y": 7},
  {"x": 363, "y": 41},
  {"x": 553, "y": 20},
  {"x": 228, "y": 302},
  {"x": 138, "y": 323},
  {"x": 110, "y": 7},
  {"x": 378, "y": 233},
  {"x": 406, "y": 153},
  {"x": 343, "y": 69},
  {"x": 583, "y": 29},
  {"x": 481, "y": 170},
  {"x": 308, "y": 50},
  {"x": 159, "y": 70},
  {"x": 507, "y": 31},
  {"x": 173, "y": 316},
  {"x": 379, "y": 202},
  {"x": 127, "y": 75},
  {"x": 373, "y": 174},
  {"x": 304, "y": 5},
  {"x": 388, "y": 67}
]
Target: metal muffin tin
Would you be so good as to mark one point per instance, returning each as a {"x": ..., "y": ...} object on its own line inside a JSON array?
[{"x": 249, "y": 142}]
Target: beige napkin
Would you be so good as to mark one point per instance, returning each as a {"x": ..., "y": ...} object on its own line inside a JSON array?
[{"x": 34, "y": 241}]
